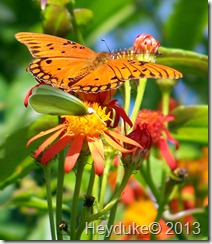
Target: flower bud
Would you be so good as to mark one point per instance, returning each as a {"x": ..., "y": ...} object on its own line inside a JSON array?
[
  {"x": 136, "y": 157},
  {"x": 148, "y": 46}
]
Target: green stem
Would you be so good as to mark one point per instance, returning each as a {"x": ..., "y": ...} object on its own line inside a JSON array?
[
  {"x": 59, "y": 196},
  {"x": 87, "y": 211},
  {"x": 47, "y": 175},
  {"x": 165, "y": 101},
  {"x": 109, "y": 206},
  {"x": 79, "y": 173},
  {"x": 127, "y": 96},
  {"x": 104, "y": 182},
  {"x": 96, "y": 206},
  {"x": 139, "y": 98},
  {"x": 114, "y": 208},
  {"x": 147, "y": 175},
  {"x": 96, "y": 193},
  {"x": 74, "y": 23},
  {"x": 164, "y": 196},
  {"x": 91, "y": 181}
]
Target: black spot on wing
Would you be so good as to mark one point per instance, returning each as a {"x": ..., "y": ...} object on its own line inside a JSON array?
[
  {"x": 48, "y": 61},
  {"x": 35, "y": 51}
]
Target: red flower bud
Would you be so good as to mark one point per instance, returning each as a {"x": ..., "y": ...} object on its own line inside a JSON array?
[
  {"x": 146, "y": 43},
  {"x": 143, "y": 137}
]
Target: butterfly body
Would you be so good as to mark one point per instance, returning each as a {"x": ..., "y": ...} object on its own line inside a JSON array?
[{"x": 73, "y": 67}]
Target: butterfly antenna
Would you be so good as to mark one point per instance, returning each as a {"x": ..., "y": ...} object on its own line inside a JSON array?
[{"x": 103, "y": 40}]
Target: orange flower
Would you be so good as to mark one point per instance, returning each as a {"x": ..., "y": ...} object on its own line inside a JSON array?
[
  {"x": 77, "y": 131},
  {"x": 142, "y": 213},
  {"x": 198, "y": 169},
  {"x": 105, "y": 99},
  {"x": 156, "y": 126}
]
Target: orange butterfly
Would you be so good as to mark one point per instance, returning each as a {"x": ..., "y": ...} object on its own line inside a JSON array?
[{"x": 72, "y": 67}]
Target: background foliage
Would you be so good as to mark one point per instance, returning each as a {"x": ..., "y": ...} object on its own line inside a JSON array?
[{"x": 175, "y": 24}]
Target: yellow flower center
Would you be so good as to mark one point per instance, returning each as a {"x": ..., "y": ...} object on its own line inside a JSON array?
[{"x": 90, "y": 124}]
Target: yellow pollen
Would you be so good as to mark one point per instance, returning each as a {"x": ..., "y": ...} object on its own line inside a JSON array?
[{"x": 89, "y": 124}]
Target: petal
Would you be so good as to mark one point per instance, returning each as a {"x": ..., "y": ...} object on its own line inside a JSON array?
[
  {"x": 47, "y": 142},
  {"x": 29, "y": 93},
  {"x": 115, "y": 144},
  {"x": 169, "y": 118},
  {"x": 43, "y": 133},
  {"x": 73, "y": 153},
  {"x": 56, "y": 148},
  {"x": 123, "y": 114},
  {"x": 124, "y": 138},
  {"x": 171, "y": 138},
  {"x": 128, "y": 195},
  {"x": 97, "y": 152},
  {"x": 166, "y": 152}
]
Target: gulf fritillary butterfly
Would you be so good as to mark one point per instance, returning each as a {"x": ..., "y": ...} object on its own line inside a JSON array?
[{"x": 72, "y": 67}]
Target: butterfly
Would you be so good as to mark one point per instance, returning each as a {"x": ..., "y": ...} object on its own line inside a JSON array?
[{"x": 71, "y": 66}]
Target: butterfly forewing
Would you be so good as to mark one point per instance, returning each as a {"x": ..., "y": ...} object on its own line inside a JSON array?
[
  {"x": 42, "y": 45},
  {"x": 73, "y": 67}
]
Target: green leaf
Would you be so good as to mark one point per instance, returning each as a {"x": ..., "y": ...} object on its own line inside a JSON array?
[
  {"x": 58, "y": 2},
  {"x": 56, "y": 20},
  {"x": 49, "y": 100},
  {"x": 186, "y": 61},
  {"x": 15, "y": 159},
  {"x": 83, "y": 16},
  {"x": 187, "y": 23},
  {"x": 28, "y": 199},
  {"x": 191, "y": 124}
]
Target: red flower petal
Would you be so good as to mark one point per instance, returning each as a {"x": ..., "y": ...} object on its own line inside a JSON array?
[
  {"x": 128, "y": 195},
  {"x": 47, "y": 142},
  {"x": 73, "y": 153},
  {"x": 165, "y": 151},
  {"x": 115, "y": 144},
  {"x": 43, "y": 133},
  {"x": 97, "y": 153},
  {"x": 171, "y": 139},
  {"x": 29, "y": 93},
  {"x": 124, "y": 139},
  {"x": 120, "y": 111},
  {"x": 56, "y": 148}
]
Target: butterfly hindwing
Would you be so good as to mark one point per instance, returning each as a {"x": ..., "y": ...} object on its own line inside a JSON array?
[
  {"x": 60, "y": 72},
  {"x": 135, "y": 69},
  {"x": 100, "y": 79},
  {"x": 72, "y": 67},
  {"x": 115, "y": 72}
]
